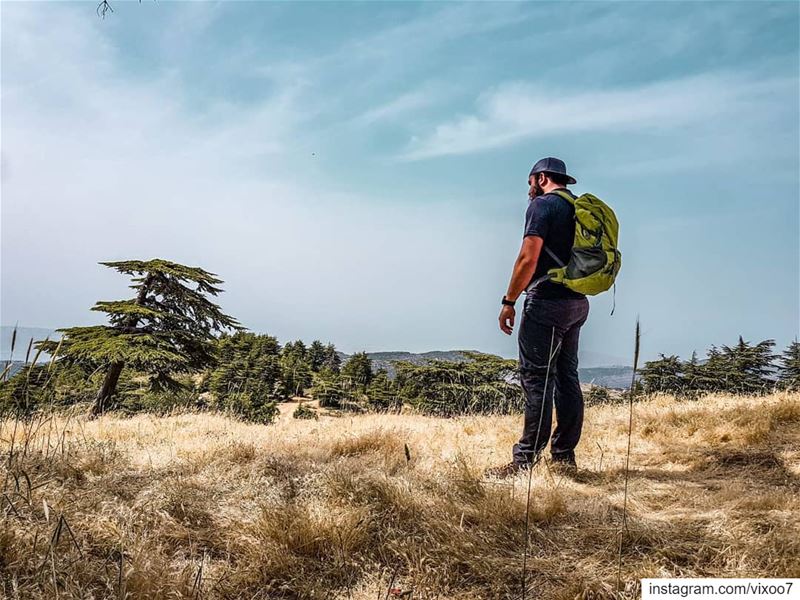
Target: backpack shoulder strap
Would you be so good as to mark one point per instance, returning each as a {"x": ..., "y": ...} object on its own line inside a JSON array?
[
  {"x": 546, "y": 276},
  {"x": 553, "y": 256},
  {"x": 566, "y": 195}
]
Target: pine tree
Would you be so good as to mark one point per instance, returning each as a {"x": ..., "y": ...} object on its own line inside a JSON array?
[
  {"x": 247, "y": 364},
  {"x": 359, "y": 369},
  {"x": 748, "y": 369},
  {"x": 740, "y": 369},
  {"x": 662, "y": 375},
  {"x": 316, "y": 355},
  {"x": 296, "y": 348},
  {"x": 692, "y": 374},
  {"x": 167, "y": 328},
  {"x": 597, "y": 394},
  {"x": 296, "y": 370},
  {"x": 381, "y": 394},
  {"x": 332, "y": 360},
  {"x": 789, "y": 377},
  {"x": 327, "y": 388},
  {"x": 482, "y": 384},
  {"x": 714, "y": 375}
]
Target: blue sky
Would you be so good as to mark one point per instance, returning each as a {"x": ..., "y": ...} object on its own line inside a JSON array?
[{"x": 355, "y": 172}]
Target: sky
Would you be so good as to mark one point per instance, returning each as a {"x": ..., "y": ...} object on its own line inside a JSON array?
[{"x": 356, "y": 172}]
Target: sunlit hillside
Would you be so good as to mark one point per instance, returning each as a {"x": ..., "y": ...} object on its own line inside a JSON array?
[{"x": 375, "y": 506}]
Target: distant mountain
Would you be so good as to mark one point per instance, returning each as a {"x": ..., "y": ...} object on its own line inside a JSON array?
[
  {"x": 14, "y": 367},
  {"x": 385, "y": 360},
  {"x": 590, "y": 359},
  {"x": 610, "y": 377},
  {"x": 24, "y": 336},
  {"x": 618, "y": 377}
]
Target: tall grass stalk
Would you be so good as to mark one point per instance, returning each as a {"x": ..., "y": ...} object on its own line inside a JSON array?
[
  {"x": 631, "y": 394},
  {"x": 10, "y": 360}
]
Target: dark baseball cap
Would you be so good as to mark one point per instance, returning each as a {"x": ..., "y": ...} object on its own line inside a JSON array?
[{"x": 552, "y": 165}]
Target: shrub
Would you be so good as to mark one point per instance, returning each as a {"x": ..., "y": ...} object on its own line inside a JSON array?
[
  {"x": 249, "y": 407},
  {"x": 358, "y": 369},
  {"x": 482, "y": 385},
  {"x": 303, "y": 411},
  {"x": 328, "y": 388},
  {"x": 744, "y": 368},
  {"x": 382, "y": 394},
  {"x": 160, "y": 402},
  {"x": 39, "y": 386},
  {"x": 597, "y": 394},
  {"x": 246, "y": 362}
]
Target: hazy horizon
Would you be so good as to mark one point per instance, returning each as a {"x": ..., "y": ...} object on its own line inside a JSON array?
[{"x": 25, "y": 334}]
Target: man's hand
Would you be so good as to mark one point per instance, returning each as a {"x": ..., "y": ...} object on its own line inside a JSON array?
[{"x": 507, "y": 315}]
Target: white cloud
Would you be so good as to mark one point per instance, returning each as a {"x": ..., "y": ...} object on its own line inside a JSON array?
[
  {"x": 378, "y": 59},
  {"x": 519, "y": 110},
  {"x": 412, "y": 101},
  {"x": 435, "y": 27},
  {"x": 100, "y": 167}
]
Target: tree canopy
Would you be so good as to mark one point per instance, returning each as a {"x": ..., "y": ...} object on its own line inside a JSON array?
[
  {"x": 790, "y": 367},
  {"x": 168, "y": 328},
  {"x": 743, "y": 368}
]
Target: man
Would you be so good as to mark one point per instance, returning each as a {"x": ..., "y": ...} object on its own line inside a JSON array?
[{"x": 552, "y": 316}]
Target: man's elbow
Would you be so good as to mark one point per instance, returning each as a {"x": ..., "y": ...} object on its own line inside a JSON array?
[
  {"x": 526, "y": 262},
  {"x": 529, "y": 253}
]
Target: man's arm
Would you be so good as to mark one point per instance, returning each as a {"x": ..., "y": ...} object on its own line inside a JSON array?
[{"x": 524, "y": 268}]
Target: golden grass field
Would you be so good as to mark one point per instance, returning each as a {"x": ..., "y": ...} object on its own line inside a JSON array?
[{"x": 201, "y": 506}]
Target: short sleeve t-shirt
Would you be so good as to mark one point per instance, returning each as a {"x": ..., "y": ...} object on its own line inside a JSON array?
[{"x": 552, "y": 218}]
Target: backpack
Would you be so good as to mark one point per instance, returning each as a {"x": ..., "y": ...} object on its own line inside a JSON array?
[{"x": 595, "y": 260}]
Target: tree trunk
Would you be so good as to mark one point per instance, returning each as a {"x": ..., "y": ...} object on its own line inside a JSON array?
[{"x": 108, "y": 389}]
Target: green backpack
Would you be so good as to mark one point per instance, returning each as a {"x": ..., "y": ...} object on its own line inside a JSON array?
[{"x": 595, "y": 259}]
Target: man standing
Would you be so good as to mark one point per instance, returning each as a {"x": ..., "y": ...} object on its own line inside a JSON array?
[{"x": 552, "y": 316}]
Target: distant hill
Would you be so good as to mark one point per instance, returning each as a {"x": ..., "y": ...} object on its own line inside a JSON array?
[
  {"x": 612, "y": 377},
  {"x": 24, "y": 336},
  {"x": 385, "y": 360},
  {"x": 15, "y": 367}
]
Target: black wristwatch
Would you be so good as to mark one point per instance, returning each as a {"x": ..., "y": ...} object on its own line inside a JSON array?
[{"x": 508, "y": 302}]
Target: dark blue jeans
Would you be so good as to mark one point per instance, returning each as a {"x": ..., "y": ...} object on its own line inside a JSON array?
[{"x": 548, "y": 357}]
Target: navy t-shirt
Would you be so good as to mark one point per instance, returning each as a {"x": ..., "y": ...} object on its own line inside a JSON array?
[{"x": 552, "y": 218}]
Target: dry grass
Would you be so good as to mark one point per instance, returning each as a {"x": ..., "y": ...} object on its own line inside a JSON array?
[{"x": 197, "y": 505}]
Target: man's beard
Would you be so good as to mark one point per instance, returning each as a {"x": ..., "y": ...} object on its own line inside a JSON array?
[{"x": 537, "y": 190}]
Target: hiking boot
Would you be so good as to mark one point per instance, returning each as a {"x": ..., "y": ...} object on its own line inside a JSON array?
[
  {"x": 509, "y": 469},
  {"x": 564, "y": 465}
]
